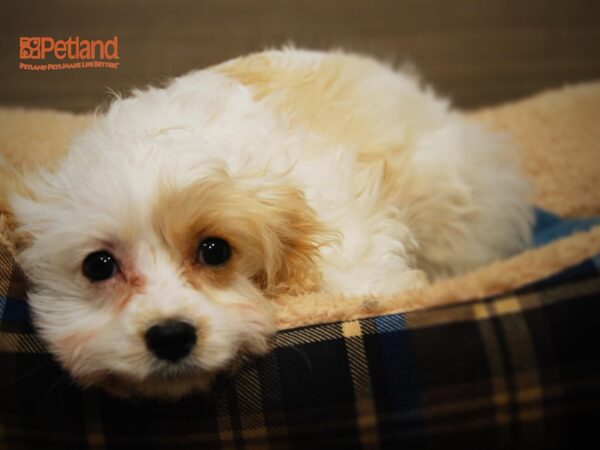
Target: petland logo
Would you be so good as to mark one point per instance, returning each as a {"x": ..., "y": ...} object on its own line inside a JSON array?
[{"x": 47, "y": 53}]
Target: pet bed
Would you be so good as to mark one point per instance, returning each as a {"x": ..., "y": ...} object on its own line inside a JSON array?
[{"x": 506, "y": 356}]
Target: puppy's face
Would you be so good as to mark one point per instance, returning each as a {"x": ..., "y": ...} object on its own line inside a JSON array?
[{"x": 147, "y": 282}]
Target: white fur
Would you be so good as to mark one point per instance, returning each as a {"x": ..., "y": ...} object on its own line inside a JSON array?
[{"x": 460, "y": 203}]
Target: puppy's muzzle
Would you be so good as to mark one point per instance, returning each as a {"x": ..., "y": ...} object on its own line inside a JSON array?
[{"x": 171, "y": 340}]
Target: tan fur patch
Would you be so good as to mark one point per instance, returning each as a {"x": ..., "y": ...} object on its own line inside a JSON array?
[
  {"x": 309, "y": 94},
  {"x": 273, "y": 233},
  {"x": 11, "y": 184}
]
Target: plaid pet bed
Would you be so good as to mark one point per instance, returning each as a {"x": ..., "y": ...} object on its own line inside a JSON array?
[{"x": 516, "y": 371}]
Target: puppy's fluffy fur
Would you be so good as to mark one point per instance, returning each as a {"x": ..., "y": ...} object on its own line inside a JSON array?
[{"x": 324, "y": 171}]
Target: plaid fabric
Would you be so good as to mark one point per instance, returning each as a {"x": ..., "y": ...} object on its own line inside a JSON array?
[{"x": 516, "y": 371}]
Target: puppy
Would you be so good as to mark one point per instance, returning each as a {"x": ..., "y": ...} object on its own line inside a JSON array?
[{"x": 154, "y": 247}]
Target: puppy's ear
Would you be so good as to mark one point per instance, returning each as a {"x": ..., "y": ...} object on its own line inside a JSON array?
[
  {"x": 11, "y": 186},
  {"x": 291, "y": 264}
]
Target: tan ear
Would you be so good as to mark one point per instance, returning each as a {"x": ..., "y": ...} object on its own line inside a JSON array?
[
  {"x": 11, "y": 183},
  {"x": 300, "y": 235}
]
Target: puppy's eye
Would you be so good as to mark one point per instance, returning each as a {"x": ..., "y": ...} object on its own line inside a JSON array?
[
  {"x": 213, "y": 251},
  {"x": 99, "y": 266}
]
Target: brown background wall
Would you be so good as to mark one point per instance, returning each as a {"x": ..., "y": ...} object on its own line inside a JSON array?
[{"x": 478, "y": 52}]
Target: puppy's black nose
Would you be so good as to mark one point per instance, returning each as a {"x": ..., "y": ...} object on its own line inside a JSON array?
[{"x": 171, "y": 340}]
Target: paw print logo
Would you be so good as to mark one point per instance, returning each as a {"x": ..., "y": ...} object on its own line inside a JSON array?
[{"x": 30, "y": 48}]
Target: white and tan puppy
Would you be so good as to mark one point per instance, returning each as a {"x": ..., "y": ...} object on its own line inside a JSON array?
[{"x": 154, "y": 247}]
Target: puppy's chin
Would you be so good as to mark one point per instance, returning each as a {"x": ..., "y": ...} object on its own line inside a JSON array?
[
  {"x": 168, "y": 388},
  {"x": 158, "y": 385},
  {"x": 171, "y": 383}
]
